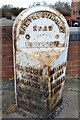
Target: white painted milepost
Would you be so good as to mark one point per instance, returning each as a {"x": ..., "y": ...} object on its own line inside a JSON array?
[{"x": 40, "y": 37}]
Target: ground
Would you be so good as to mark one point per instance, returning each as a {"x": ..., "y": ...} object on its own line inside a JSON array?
[{"x": 67, "y": 109}]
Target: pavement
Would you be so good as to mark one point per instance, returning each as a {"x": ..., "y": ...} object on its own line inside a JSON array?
[
  {"x": 69, "y": 108},
  {"x": 70, "y": 100}
]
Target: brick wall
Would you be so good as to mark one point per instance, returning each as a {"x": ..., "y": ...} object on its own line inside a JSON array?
[
  {"x": 79, "y": 59},
  {"x": 0, "y": 54},
  {"x": 72, "y": 60},
  {"x": 73, "y": 63},
  {"x": 7, "y": 52}
]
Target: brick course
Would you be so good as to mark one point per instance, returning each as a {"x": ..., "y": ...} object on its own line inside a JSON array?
[
  {"x": 73, "y": 60},
  {"x": 7, "y": 53}
]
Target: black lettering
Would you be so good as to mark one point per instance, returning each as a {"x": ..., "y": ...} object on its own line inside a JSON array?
[{"x": 34, "y": 28}]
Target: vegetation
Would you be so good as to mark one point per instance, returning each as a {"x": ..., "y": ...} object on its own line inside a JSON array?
[
  {"x": 8, "y": 10},
  {"x": 64, "y": 8}
]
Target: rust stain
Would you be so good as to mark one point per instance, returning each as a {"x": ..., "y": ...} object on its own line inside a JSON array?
[{"x": 40, "y": 37}]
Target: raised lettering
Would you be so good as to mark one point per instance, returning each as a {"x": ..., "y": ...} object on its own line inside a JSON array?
[{"x": 34, "y": 28}]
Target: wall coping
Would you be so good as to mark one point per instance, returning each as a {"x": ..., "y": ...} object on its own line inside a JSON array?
[{"x": 6, "y": 22}]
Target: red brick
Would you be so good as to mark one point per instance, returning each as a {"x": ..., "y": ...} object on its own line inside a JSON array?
[
  {"x": 7, "y": 63},
  {"x": 74, "y": 72},
  {"x": 4, "y": 29},
  {"x": 7, "y": 58},
  {"x": 69, "y": 63},
  {"x": 1, "y": 74},
  {"x": 68, "y": 73},
  {"x": 73, "y": 52},
  {"x": 72, "y": 68},
  {"x": 10, "y": 53},
  {"x": 7, "y": 47},
  {"x": 6, "y": 42},
  {"x": 72, "y": 44},
  {"x": 73, "y": 49},
  {"x": 75, "y": 63},
  {"x": 7, "y": 68},
  {"x": 7, "y": 74},
  {"x": 79, "y": 62},
  {"x": 72, "y": 58}
]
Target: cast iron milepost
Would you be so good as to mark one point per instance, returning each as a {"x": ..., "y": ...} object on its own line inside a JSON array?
[{"x": 40, "y": 37}]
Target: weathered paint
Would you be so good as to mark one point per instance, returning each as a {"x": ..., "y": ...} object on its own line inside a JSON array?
[{"x": 40, "y": 37}]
